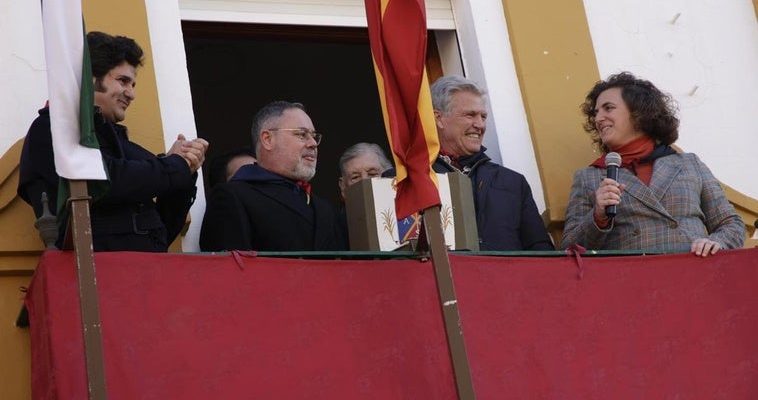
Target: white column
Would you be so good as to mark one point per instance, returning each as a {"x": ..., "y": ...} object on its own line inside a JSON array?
[
  {"x": 22, "y": 69},
  {"x": 174, "y": 95},
  {"x": 488, "y": 59}
]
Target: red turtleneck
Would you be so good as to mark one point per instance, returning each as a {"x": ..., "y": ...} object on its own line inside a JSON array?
[{"x": 631, "y": 154}]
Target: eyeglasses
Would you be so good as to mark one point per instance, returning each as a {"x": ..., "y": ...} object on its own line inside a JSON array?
[{"x": 302, "y": 134}]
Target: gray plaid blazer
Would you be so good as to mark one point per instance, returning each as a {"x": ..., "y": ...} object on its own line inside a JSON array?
[{"x": 684, "y": 202}]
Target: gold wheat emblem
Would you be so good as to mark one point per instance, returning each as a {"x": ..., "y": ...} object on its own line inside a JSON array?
[
  {"x": 446, "y": 215},
  {"x": 388, "y": 221}
]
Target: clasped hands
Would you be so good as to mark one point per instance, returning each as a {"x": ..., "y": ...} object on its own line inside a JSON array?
[{"x": 192, "y": 151}]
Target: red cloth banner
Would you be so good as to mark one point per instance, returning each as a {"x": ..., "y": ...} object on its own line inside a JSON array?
[
  {"x": 397, "y": 33},
  {"x": 210, "y": 326}
]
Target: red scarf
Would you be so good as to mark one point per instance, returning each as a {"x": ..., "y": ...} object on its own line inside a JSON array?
[
  {"x": 631, "y": 154},
  {"x": 306, "y": 188}
]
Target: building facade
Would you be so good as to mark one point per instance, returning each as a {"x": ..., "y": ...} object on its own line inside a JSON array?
[{"x": 537, "y": 59}]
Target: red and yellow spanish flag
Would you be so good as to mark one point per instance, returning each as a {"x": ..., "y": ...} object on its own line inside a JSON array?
[{"x": 397, "y": 32}]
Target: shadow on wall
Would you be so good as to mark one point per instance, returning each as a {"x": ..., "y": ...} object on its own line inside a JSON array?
[{"x": 16, "y": 217}]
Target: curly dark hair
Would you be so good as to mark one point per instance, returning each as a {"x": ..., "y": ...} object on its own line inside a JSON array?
[
  {"x": 652, "y": 111},
  {"x": 108, "y": 52}
]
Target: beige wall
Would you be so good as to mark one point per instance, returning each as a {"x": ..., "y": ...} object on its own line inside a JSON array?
[
  {"x": 556, "y": 67},
  {"x": 19, "y": 249},
  {"x": 15, "y": 367},
  {"x": 129, "y": 18}
]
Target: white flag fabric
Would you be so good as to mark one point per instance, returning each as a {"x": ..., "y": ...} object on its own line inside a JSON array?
[{"x": 64, "y": 53}]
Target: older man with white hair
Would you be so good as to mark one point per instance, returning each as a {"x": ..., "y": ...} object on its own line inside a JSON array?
[
  {"x": 506, "y": 215},
  {"x": 361, "y": 161}
]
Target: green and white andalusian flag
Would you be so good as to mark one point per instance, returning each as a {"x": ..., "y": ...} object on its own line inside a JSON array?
[{"x": 71, "y": 93}]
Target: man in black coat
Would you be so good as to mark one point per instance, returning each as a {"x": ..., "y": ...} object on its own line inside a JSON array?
[
  {"x": 506, "y": 215},
  {"x": 268, "y": 205},
  {"x": 148, "y": 197}
]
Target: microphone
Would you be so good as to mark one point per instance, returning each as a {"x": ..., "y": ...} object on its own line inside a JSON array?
[{"x": 612, "y": 164}]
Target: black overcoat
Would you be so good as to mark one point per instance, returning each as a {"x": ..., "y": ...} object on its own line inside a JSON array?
[
  {"x": 147, "y": 198},
  {"x": 259, "y": 210}
]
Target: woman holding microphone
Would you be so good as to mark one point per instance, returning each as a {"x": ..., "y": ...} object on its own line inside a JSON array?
[{"x": 664, "y": 200}]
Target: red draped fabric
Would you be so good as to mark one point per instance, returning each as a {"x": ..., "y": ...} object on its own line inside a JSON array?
[
  {"x": 397, "y": 34},
  {"x": 210, "y": 326}
]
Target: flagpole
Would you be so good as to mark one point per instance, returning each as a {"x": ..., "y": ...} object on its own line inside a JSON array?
[
  {"x": 397, "y": 36},
  {"x": 81, "y": 229},
  {"x": 435, "y": 238},
  {"x": 77, "y": 159}
]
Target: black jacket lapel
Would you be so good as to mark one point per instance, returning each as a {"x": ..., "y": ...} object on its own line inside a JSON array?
[{"x": 287, "y": 197}]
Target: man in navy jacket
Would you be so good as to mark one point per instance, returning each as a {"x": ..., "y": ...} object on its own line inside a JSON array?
[
  {"x": 506, "y": 215},
  {"x": 148, "y": 197}
]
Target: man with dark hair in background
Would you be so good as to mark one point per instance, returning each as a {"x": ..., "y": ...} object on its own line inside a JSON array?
[
  {"x": 148, "y": 197},
  {"x": 269, "y": 205},
  {"x": 222, "y": 168}
]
